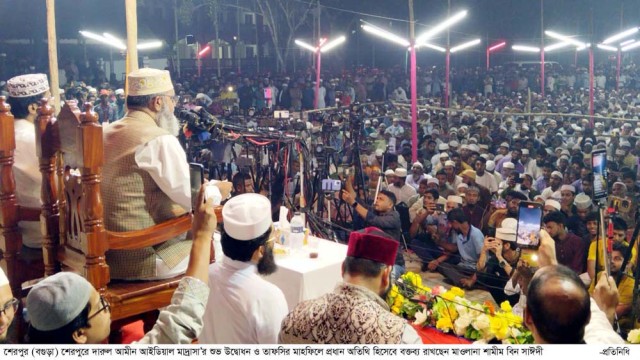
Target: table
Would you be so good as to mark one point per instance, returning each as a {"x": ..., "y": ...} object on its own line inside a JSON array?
[{"x": 303, "y": 278}]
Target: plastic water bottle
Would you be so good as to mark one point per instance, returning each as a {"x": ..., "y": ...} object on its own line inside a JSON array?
[{"x": 296, "y": 238}]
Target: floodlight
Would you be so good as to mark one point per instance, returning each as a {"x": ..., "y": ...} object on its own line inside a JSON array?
[
  {"x": 385, "y": 35},
  {"x": 556, "y": 46},
  {"x": 607, "y": 47},
  {"x": 465, "y": 45},
  {"x": 431, "y": 46},
  {"x": 149, "y": 45},
  {"x": 440, "y": 27},
  {"x": 100, "y": 38},
  {"x": 627, "y": 42},
  {"x": 497, "y": 46},
  {"x": 564, "y": 38},
  {"x": 620, "y": 35},
  {"x": 306, "y": 46},
  {"x": 333, "y": 43},
  {"x": 631, "y": 46},
  {"x": 584, "y": 46},
  {"x": 203, "y": 51},
  {"x": 116, "y": 42},
  {"x": 525, "y": 48}
]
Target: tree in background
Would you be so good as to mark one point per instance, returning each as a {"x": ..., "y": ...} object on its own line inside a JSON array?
[{"x": 283, "y": 18}]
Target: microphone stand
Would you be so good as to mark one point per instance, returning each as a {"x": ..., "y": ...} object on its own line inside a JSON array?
[
  {"x": 328, "y": 196},
  {"x": 384, "y": 155}
]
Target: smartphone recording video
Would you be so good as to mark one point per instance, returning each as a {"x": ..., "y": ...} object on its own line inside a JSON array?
[
  {"x": 281, "y": 114},
  {"x": 196, "y": 174},
  {"x": 330, "y": 185},
  {"x": 529, "y": 221},
  {"x": 599, "y": 165}
]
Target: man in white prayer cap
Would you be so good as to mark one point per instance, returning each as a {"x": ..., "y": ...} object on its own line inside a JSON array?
[
  {"x": 144, "y": 180},
  {"x": 243, "y": 307},
  {"x": 568, "y": 194},
  {"x": 25, "y": 93},
  {"x": 498, "y": 260},
  {"x": 574, "y": 223},
  {"x": 403, "y": 191},
  {"x": 583, "y": 205}
]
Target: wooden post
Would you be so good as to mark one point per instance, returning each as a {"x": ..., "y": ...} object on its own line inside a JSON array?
[
  {"x": 46, "y": 146},
  {"x": 132, "y": 35},
  {"x": 90, "y": 139},
  {"x": 11, "y": 239},
  {"x": 52, "y": 42}
]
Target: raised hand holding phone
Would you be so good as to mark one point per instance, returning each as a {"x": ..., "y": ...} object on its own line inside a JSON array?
[
  {"x": 196, "y": 175},
  {"x": 529, "y": 225}
]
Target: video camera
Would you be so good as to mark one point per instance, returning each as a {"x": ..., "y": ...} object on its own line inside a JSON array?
[{"x": 196, "y": 120}]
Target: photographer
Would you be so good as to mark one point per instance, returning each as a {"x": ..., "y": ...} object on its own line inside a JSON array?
[
  {"x": 498, "y": 260},
  {"x": 512, "y": 199},
  {"x": 622, "y": 202},
  {"x": 432, "y": 248},
  {"x": 381, "y": 215}
]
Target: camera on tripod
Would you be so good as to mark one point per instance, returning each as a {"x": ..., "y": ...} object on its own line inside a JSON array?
[{"x": 199, "y": 120}]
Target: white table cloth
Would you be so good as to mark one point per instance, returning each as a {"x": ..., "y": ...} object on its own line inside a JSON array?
[{"x": 303, "y": 278}]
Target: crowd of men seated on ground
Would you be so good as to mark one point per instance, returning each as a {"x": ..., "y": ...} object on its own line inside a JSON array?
[
  {"x": 472, "y": 172},
  {"x": 478, "y": 167}
]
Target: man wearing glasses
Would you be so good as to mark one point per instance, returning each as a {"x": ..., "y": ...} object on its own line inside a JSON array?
[
  {"x": 66, "y": 309},
  {"x": 145, "y": 179},
  {"x": 8, "y": 306}
]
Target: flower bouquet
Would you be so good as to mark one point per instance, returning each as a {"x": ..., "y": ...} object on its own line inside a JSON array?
[{"x": 450, "y": 311}]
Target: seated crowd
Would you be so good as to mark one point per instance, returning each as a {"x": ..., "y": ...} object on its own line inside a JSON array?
[{"x": 455, "y": 209}]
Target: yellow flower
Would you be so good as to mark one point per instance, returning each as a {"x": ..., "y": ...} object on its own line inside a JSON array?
[
  {"x": 393, "y": 292},
  {"x": 413, "y": 279},
  {"x": 449, "y": 296},
  {"x": 505, "y": 306},
  {"x": 499, "y": 327},
  {"x": 395, "y": 310},
  {"x": 399, "y": 300},
  {"x": 634, "y": 336},
  {"x": 457, "y": 291},
  {"x": 450, "y": 311},
  {"x": 512, "y": 319},
  {"x": 417, "y": 281},
  {"x": 444, "y": 324},
  {"x": 391, "y": 295}
]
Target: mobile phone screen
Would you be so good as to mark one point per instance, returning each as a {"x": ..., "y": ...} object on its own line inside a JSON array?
[
  {"x": 529, "y": 220},
  {"x": 196, "y": 174},
  {"x": 599, "y": 165}
]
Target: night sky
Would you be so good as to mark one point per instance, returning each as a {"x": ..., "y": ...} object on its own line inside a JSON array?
[{"x": 491, "y": 20}]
